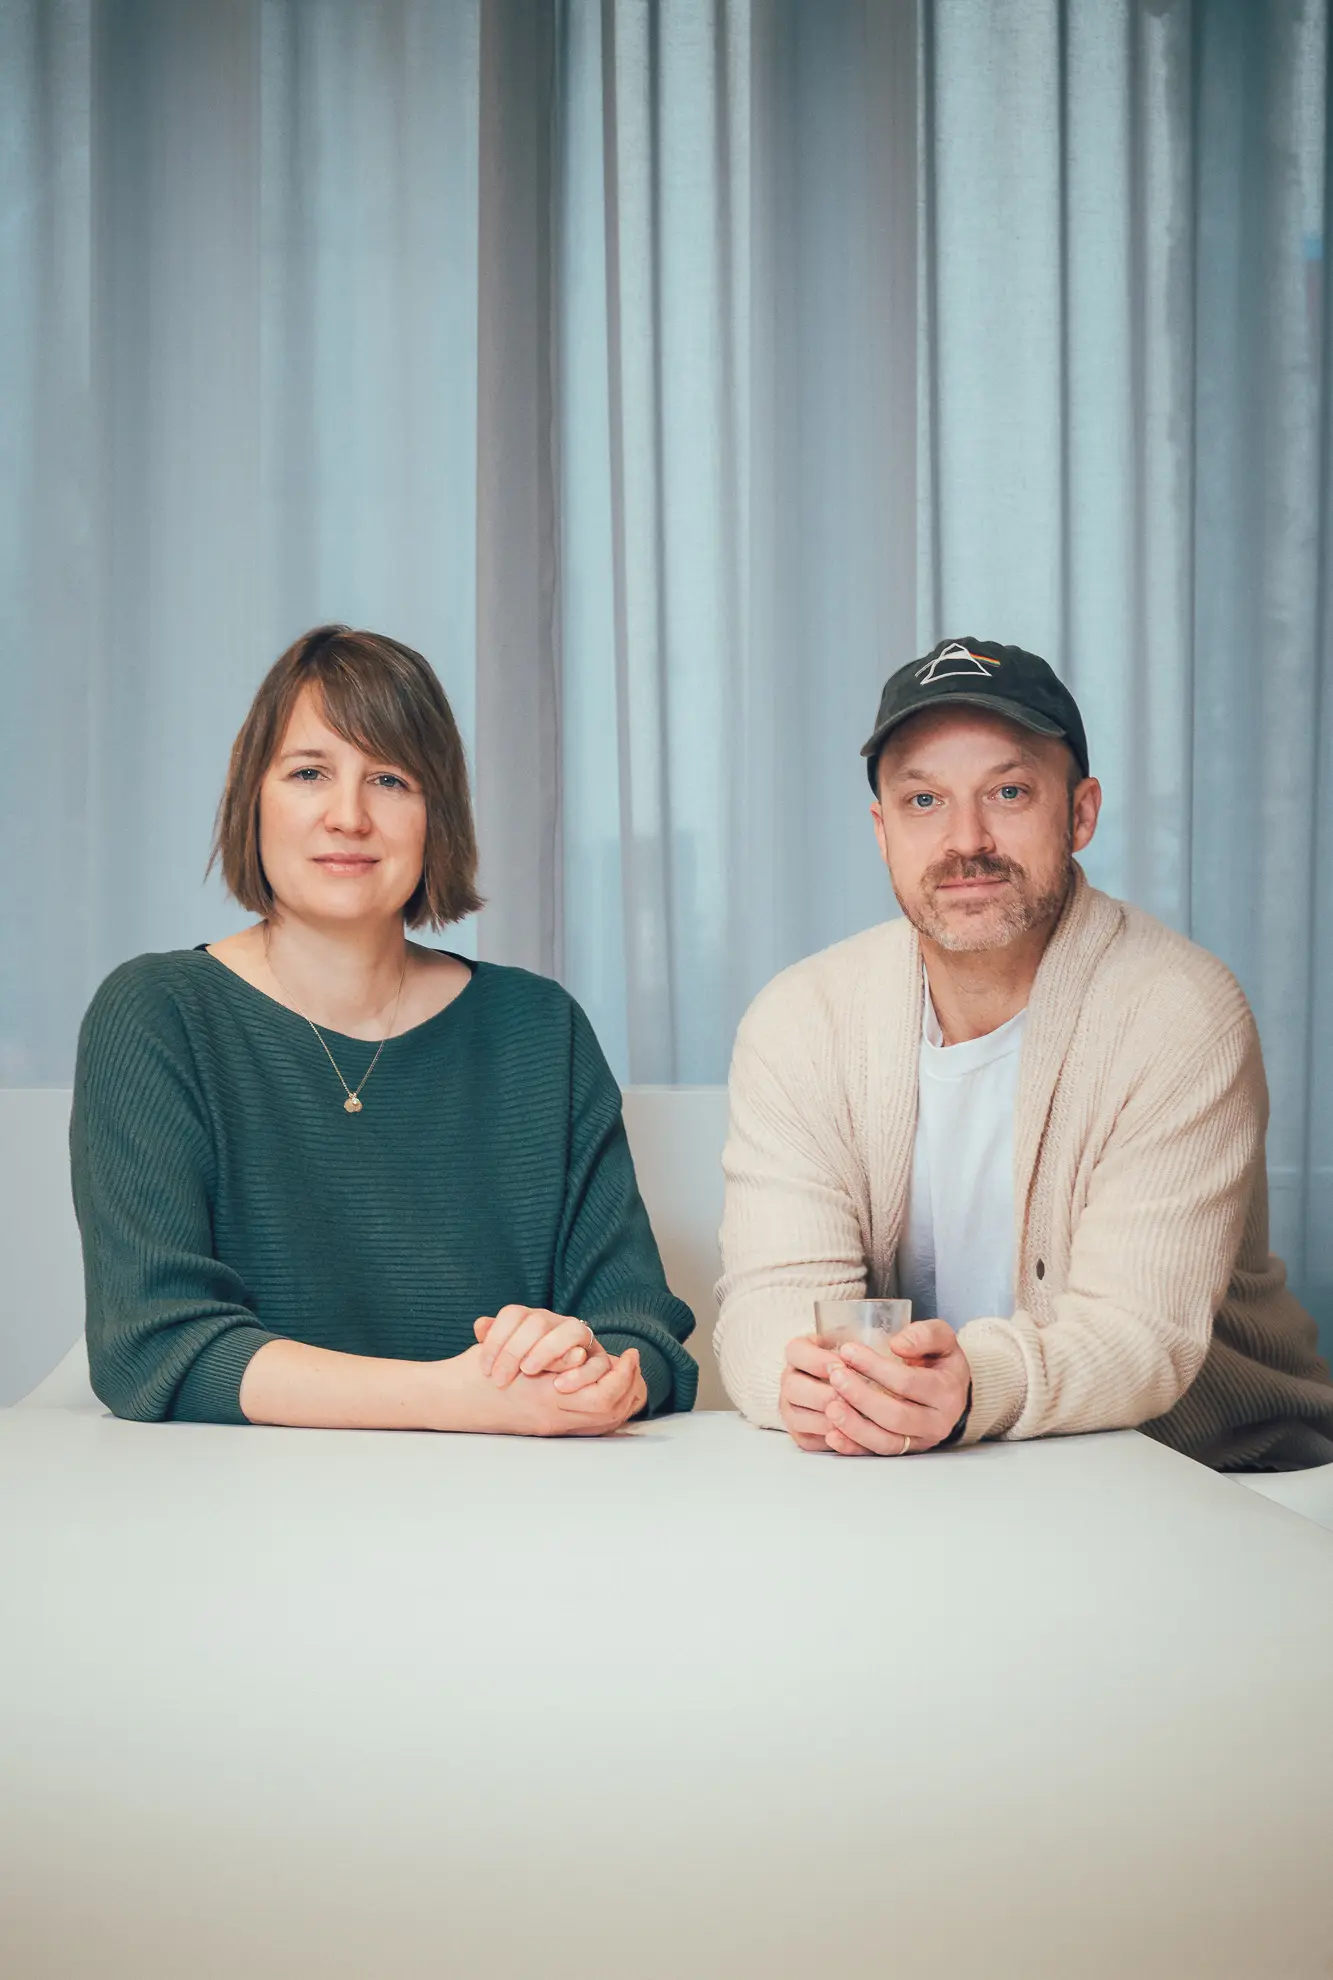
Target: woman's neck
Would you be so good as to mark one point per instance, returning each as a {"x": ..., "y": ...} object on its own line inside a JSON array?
[{"x": 344, "y": 978}]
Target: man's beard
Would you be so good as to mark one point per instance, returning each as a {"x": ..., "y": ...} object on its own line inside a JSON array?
[{"x": 996, "y": 923}]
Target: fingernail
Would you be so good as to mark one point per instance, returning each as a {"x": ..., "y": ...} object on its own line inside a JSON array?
[{"x": 837, "y": 1374}]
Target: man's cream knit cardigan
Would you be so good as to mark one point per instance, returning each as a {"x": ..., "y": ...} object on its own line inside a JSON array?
[{"x": 1145, "y": 1292}]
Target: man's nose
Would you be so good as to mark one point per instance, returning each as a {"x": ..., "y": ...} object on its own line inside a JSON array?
[{"x": 971, "y": 833}]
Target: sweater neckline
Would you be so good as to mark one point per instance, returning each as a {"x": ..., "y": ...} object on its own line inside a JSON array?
[
  {"x": 252, "y": 991},
  {"x": 969, "y": 1055}
]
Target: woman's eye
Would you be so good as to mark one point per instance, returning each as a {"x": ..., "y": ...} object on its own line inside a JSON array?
[
  {"x": 306, "y": 774},
  {"x": 392, "y": 778}
]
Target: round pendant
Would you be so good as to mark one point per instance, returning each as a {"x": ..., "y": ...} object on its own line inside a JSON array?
[{"x": 351, "y": 1105}]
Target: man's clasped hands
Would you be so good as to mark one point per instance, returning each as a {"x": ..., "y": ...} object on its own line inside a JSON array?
[
  {"x": 860, "y": 1403},
  {"x": 546, "y": 1374}
]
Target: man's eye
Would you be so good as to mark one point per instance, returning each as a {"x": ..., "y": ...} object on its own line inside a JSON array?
[
  {"x": 1011, "y": 790},
  {"x": 922, "y": 801}
]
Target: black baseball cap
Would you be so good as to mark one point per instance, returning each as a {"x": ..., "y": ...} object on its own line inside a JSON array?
[{"x": 983, "y": 674}]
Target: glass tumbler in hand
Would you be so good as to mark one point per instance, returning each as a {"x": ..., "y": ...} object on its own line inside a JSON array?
[{"x": 870, "y": 1321}]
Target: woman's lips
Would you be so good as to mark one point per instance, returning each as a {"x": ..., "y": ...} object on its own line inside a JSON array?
[{"x": 351, "y": 863}]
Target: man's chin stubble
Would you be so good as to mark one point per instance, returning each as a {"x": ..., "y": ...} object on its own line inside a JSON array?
[
  {"x": 967, "y": 937},
  {"x": 1012, "y": 922}
]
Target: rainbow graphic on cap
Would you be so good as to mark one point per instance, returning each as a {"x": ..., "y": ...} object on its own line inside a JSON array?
[{"x": 954, "y": 662}]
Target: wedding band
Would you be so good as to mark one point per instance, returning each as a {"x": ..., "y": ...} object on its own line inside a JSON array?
[{"x": 907, "y": 1445}]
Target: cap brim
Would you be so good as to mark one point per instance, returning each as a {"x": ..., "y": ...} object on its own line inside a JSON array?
[{"x": 1013, "y": 711}]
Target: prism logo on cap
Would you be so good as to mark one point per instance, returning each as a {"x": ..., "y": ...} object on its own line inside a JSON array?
[{"x": 953, "y": 663}]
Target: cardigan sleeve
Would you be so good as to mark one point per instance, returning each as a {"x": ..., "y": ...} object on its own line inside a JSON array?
[
  {"x": 1150, "y": 1259},
  {"x": 170, "y": 1332},
  {"x": 791, "y": 1224},
  {"x": 607, "y": 1267}
]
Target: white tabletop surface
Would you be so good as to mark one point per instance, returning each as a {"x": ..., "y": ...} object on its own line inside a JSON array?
[{"x": 684, "y": 1703}]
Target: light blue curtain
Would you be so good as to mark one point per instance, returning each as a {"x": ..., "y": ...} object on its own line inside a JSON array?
[
  {"x": 1002, "y": 317},
  {"x": 238, "y": 339},
  {"x": 737, "y": 352},
  {"x": 670, "y": 373},
  {"x": 1125, "y": 453}
]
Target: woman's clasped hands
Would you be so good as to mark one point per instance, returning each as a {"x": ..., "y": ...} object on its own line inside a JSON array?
[{"x": 542, "y": 1374}]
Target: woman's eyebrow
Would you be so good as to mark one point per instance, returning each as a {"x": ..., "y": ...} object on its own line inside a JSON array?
[{"x": 323, "y": 756}]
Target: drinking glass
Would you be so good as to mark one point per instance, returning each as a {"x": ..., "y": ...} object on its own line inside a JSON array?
[{"x": 870, "y": 1321}]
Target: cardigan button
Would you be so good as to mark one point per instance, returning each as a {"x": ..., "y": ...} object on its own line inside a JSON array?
[{"x": 1041, "y": 1268}]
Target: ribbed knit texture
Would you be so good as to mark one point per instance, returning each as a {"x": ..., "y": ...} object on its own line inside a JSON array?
[
  {"x": 1145, "y": 1291},
  {"x": 225, "y": 1198}
]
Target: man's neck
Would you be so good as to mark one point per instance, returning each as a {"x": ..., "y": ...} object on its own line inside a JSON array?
[{"x": 976, "y": 991}]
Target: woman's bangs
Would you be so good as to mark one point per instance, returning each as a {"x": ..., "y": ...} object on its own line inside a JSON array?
[{"x": 369, "y": 711}]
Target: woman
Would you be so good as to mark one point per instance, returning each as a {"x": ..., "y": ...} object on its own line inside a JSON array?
[{"x": 326, "y": 1176}]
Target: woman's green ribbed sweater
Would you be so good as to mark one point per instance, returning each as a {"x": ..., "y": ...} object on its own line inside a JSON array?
[{"x": 225, "y": 1197}]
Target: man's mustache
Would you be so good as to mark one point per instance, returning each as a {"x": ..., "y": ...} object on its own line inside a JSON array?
[{"x": 983, "y": 866}]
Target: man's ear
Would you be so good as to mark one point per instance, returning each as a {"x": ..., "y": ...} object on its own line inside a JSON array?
[
  {"x": 1086, "y": 806},
  {"x": 877, "y": 813}
]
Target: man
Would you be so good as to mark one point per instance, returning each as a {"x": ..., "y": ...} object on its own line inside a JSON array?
[{"x": 1031, "y": 1109}]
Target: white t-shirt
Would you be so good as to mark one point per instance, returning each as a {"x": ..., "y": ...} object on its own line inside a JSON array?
[{"x": 956, "y": 1258}]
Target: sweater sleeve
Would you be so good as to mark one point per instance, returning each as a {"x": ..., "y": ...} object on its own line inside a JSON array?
[
  {"x": 170, "y": 1333},
  {"x": 791, "y": 1226},
  {"x": 1150, "y": 1261},
  {"x": 607, "y": 1267}
]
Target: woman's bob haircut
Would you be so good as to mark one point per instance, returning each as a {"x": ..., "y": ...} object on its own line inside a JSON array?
[{"x": 384, "y": 699}]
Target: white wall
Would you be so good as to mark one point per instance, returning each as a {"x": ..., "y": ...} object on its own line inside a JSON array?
[
  {"x": 41, "y": 1268},
  {"x": 676, "y": 1135}
]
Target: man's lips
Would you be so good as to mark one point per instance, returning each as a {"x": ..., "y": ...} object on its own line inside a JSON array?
[{"x": 972, "y": 886}]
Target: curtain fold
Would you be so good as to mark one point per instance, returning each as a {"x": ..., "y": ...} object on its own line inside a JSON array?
[
  {"x": 669, "y": 371},
  {"x": 48, "y": 541},
  {"x": 653, "y": 433},
  {"x": 737, "y": 309},
  {"x": 518, "y": 634}
]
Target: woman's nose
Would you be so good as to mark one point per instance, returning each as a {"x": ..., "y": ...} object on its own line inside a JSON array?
[{"x": 347, "y": 806}]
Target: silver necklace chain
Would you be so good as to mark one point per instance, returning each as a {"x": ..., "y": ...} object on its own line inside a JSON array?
[{"x": 352, "y": 1104}]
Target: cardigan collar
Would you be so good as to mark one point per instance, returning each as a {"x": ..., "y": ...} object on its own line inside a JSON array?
[
  {"x": 1088, "y": 925},
  {"x": 1089, "y": 922}
]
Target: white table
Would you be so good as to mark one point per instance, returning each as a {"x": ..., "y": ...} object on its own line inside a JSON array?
[{"x": 686, "y": 1704}]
